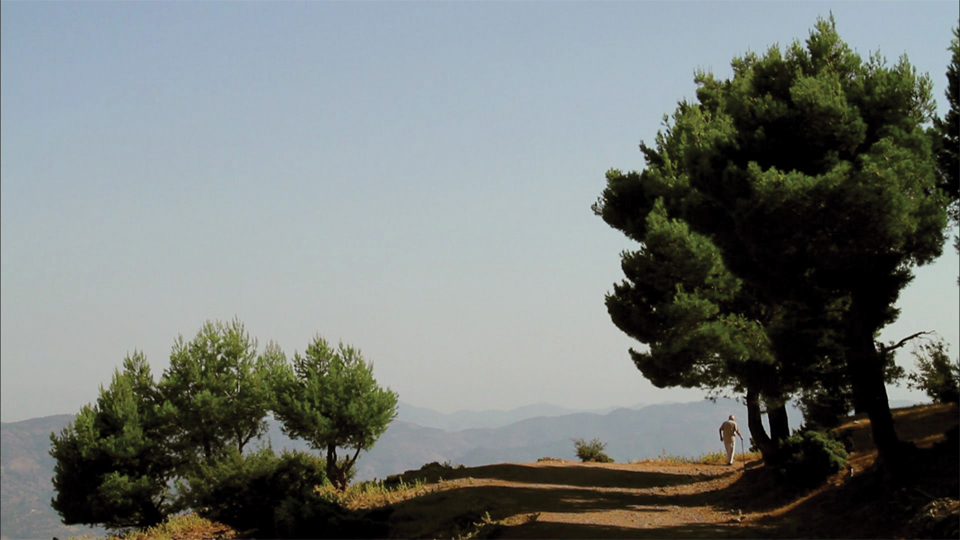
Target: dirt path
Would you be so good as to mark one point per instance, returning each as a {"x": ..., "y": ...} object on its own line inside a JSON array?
[
  {"x": 563, "y": 499},
  {"x": 661, "y": 499}
]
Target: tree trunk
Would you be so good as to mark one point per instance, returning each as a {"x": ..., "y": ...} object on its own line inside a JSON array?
[
  {"x": 333, "y": 472},
  {"x": 779, "y": 423},
  {"x": 755, "y": 423},
  {"x": 865, "y": 368},
  {"x": 859, "y": 407},
  {"x": 151, "y": 515}
]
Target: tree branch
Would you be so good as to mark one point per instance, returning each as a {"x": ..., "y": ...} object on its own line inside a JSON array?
[
  {"x": 902, "y": 342},
  {"x": 354, "y": 460}
]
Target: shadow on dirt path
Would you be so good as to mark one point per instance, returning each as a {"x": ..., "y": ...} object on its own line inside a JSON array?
[
  {"x": 591, "y": 530},
  {"x": 661, "y": 499},
  {"x": 571, "y": 474},
  {"x": 572, "y": 500}
]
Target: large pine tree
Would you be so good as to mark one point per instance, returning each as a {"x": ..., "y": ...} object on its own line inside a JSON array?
[{"x": 797, "y": 197}]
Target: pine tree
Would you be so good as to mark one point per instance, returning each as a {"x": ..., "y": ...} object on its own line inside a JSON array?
[
  {"x": 112, "y": 463},
  {"x": 331, "y": 400},
  {"x": 936, "y": 374},
  {"x": 811, "y": 175},
  {"x": 220, "y": 390},
  {"x": 949, "y": 130}
]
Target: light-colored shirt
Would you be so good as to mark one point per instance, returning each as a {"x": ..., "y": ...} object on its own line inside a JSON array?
[{"x": 728, "y": 429}]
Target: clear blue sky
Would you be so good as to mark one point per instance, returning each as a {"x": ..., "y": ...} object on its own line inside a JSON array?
[{"x": 413, "y": 178}]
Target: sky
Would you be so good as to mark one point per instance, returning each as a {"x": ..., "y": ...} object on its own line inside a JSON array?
[{"x": 412, "y": 178}]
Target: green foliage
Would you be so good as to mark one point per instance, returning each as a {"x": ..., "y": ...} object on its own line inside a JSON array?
[
  {"x": 116, "y": 462},
  {"x": 806, "y": 460},
  {"x": 949, "y": 130},
  {"x": 275, "y": 496},
  {"x": 272, "y": 494},
  {"x": 824, "y": 404},
  {"x": 591, "y": 451},
  {"x": 331, "y": 400},
  {"x": 220, "y": 390},
  {"x": 779, "y": 215},
  {"x": 936, "y": 374},
  {"x": 112, "y": 465}
]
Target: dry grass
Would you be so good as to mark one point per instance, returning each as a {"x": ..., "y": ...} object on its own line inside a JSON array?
[
  {"x": 188, "y": 527},
  {"x": 710, "y": 458},
  {"x": 365, "y": 495}
]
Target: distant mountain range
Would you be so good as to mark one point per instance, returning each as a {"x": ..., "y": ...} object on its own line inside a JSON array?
[
  {"x": 420, "y": 435},
  {"x": 416, "y": 437},
  {"x": 683, "y": 429},
  {"x": 25, "y": 487},
  {"x": 461, "y": 420}
]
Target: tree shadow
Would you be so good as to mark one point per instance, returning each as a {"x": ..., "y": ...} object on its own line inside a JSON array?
[
  {"x": 533, "y": 490},
  {"x": 588, "y": 530},
  {"x": 562, "y": 475},
  {"x": 463, "y": 505},
  {"x": 509, "y": 497}
]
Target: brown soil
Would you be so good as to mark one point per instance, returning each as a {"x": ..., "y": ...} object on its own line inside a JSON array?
[{"x": 659, "y": 499}]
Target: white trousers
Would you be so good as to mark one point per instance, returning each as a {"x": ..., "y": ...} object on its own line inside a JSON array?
[{"x": 731, "y": 446}]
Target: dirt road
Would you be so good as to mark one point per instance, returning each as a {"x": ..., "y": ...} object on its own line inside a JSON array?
[
  {"x": 563, "y": 499},
  {"x": 666, "y": 499}
]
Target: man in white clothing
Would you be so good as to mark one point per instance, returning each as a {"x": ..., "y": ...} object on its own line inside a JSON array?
[{"x": 728, "y": 430}]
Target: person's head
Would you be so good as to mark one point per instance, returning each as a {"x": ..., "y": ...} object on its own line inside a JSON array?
[{"x": 732, "y": 418}]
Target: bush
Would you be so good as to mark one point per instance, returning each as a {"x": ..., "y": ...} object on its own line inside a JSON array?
[
  {"x": 807, "y": 459},
  {"x": 591, "y": 451},
  {"x": 823, "y": 407},
  {"x": 937, "y": 376},
  {"x": 246, "y": 492},
  {"x": 277, "y": 496}
]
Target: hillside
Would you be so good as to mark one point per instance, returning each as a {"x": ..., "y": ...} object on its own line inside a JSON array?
[
  {"x": 682, "y": 429},
  {"x": 664, "y": 499},
  {"x": 519, "y": 483},
  {"x": 25, "y": 488},
  {"x": 542, "y": 430},
  {"x": 667, "y": 498}
]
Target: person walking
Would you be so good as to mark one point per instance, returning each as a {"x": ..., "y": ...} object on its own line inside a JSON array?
[{"x": 728, "y": 430}]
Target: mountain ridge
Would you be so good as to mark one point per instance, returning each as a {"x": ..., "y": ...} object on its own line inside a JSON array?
[{"x": 470, "y": 419}]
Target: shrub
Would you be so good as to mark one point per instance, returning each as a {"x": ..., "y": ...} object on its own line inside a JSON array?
[
  {"x": 246, "y": 492},
  {"x": 277, "y": 496},
  {"x": 823, "y": 407},
  {"x": 807, "y": 459},
  {"x": 591, "y": 451},
  {"x": 938, "y": 376}
]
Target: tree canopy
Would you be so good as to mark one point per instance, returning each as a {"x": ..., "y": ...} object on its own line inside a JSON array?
[
  {"x": 331, "y": 400},
  {"x": 948, "y": 155},
  {"x": 112, "y": 462},
  {"x": 779, "y": 216},
  {"x": 147, "y": 449},
  {"x": 219, "y": 388}
]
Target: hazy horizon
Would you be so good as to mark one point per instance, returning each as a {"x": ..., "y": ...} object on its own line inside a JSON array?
[
  {"x": 414, "y": 179},
  {"x": 792, "y": 411}
]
